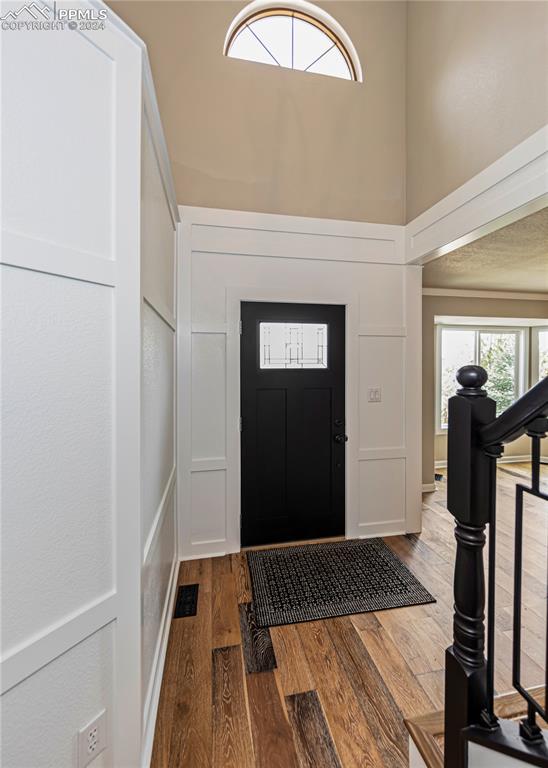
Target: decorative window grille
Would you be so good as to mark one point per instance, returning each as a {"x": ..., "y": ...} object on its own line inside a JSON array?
[{"x": 293, "y": 345}]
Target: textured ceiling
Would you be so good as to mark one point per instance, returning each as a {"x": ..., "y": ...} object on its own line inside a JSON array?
[{"x": 514, "y": 258}]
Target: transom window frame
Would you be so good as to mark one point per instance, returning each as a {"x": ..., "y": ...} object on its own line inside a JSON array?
[
  {"x": 521, "y": 361},
  {"x": 320, "y": 364},
  {"x": 305, "y": 11}
]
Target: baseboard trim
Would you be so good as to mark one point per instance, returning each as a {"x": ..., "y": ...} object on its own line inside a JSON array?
[
  {"x": 150, "y": 710},
  {"x": 526, "y": 457},
  {"x": 385, "y": 528},
  {"x": 428, "y": 487}
]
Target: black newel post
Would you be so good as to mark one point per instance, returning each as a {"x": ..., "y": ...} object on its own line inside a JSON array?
[{"x": 469, "y": 491}]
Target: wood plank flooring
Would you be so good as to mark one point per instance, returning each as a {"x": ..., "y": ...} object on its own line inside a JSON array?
[{"x": 334, "y": 693}]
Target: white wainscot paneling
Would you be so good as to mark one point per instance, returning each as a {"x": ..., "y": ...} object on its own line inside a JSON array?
[
  {"x": 158, "y": 413},
  {"x": 155, "y": 583},
  {"x": 41, "y": 716},
  {"x": 272, "y": 241},
  {"x": 157, "y": 232},
  {"x": 380, "y": 286},
  {"x": 382, "y": 364},
  {"x": 208, "y": 507},
  {"x": 382, "y": 497},
  {"x": 57, "y": 457},
  {"x": 208, "y": 395},
  {"x": 69, "y": 158},
  {"x": 381, "y": 295}
]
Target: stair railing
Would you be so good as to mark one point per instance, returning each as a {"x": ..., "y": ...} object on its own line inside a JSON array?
[{"x": 476, "y": 439}]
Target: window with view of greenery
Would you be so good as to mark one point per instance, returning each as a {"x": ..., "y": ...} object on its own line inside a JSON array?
[
  {"x": 542, "y": 353},
  {"x": 498, "y": 350}
]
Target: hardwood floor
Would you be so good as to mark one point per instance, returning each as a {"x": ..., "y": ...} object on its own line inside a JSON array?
[{"x": 334, "y": 693}]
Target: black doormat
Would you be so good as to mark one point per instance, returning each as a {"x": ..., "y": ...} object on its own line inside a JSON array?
[{"x": 320, "y": 581}]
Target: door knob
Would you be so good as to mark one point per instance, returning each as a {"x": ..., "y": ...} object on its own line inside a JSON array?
[{"x": 340, "y": 438}]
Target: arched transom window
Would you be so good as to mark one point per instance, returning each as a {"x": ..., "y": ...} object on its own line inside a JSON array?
[{"x": 300, "y": 37}]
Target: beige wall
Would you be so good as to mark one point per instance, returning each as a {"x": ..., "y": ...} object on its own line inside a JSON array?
[
  {"x": 472, "y": 76},
  {"x": 442, "y": 305},
  {"x": 254, "y": 137},
  {"x": 477, "y": 85}
]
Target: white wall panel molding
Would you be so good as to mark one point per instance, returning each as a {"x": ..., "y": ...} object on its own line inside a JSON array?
[
  {"x": 73, "y": 212},
  {"x": 209, "y": 328},
  {"x": 159, "y": 516},
  {"x": 274, "y": 222},
  {"x": 150, "y": 707},
  {"x": 159, "y": 229},
  {"x": 227, "y": 257},
  {"x": 82, "y": 249},
  {"x": 292, "y": 245},
  {"x": 184, "y": 388},
  {"x": 150, "y": 105},
  {"x": 28, "y": 657},
  {"x": 276, "y": 236},
  {"x": 154, "y": 125},
  {"x": 513, "y": 186},
  {"x": 374, "y": 454},
  {"x": 163, "y": 311},
  {"x": 382, "y": 330},
  {"x": 464, "y": 294},
  {"x": 413, "y": 398},
  {"x": 39, "y": 255},
  {"x": 208, "y": 465}
]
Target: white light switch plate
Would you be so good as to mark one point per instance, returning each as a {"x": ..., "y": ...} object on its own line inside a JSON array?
[
  {"x": 374, "y": 395},
  {"x": 92, "y": 739}
]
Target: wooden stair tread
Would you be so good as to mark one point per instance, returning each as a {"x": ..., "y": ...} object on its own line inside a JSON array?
[{"x": 427, "y": 730}]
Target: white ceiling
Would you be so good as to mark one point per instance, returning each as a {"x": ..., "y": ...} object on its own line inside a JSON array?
[{"x": 514, "y": 258}]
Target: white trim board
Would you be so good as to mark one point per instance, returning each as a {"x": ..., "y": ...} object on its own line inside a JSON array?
[
  {"x": 28, "y": 657},
  {"x": 38, "y": 255},
  {"x": 152, "y": 110},
  {"x": 512, "y": 187},
  {"x": 523, "y": 458},
  {"x": 458, "y": 293},
  {"x": 159, "y": 515},
  {"x": 279, "y": 236},
  {"x": 152, "y": 698}
]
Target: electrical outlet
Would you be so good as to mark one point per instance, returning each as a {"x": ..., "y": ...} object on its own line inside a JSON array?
[
  {"x": 374, "y": 395},
  {"x": 92, "y": 739}
]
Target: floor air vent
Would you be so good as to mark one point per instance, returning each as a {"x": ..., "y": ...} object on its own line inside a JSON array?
[{"x": 187, "y": 601}]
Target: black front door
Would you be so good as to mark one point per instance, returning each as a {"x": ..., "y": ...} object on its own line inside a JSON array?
[{"x": 293, "y": 421}]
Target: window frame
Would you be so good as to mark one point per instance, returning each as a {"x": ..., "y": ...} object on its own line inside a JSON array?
[
  {"x": 307, "y": 12},
  {"x": 535, "y": 351},
  {"x": 521, "y": 363},
  {"x": 317, "y": 368}
]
